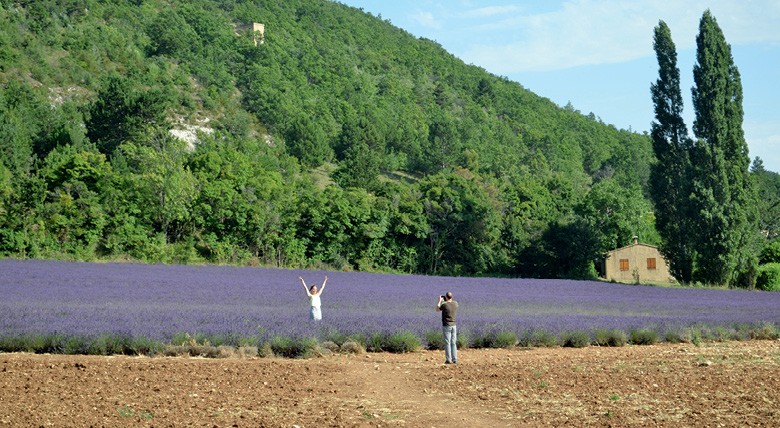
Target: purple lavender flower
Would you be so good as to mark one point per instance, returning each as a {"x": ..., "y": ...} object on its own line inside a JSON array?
[{"x": 160, "y": 301}]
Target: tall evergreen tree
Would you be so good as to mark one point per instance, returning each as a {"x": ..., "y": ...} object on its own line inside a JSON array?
[
  {"x": 670, "y": 177},
  {"x": 723, "y": 193}
]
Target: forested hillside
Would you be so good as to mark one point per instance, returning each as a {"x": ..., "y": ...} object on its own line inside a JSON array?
[{"x": 164, "y": 131}]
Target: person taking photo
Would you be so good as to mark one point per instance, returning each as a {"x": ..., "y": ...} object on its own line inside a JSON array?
[{"x": 448, "y": 309}]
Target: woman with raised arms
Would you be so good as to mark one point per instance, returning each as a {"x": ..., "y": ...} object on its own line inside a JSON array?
[{"x": 314, "y": 299}]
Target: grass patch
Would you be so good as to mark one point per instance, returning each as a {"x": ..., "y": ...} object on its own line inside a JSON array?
[{"x": 128, "y": 412}]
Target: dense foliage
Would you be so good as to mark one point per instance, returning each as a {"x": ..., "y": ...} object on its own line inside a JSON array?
[{"x": 334, "y": 140}]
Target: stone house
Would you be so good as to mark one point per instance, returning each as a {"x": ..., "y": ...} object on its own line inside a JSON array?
[
  {"x": 636, "y": 263},
  {"x": 257, "y": 29}
]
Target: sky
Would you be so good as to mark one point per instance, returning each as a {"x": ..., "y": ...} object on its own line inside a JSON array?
[{"x": 598, "y": 54}]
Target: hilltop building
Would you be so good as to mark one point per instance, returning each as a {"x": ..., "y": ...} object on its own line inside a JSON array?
[{"x": 257, "y": 29}]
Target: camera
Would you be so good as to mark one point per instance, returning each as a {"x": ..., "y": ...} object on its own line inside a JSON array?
[{"x": 442, "y": 297}]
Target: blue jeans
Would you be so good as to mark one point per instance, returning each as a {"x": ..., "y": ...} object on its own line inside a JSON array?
[{"x": 450, "y": 343}]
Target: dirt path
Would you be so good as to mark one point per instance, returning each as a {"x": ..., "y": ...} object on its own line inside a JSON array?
[
  {"x": 720, "y": 384},
  {"x": 416, "y": 390}
]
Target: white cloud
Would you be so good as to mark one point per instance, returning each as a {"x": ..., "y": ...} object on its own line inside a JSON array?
[
  {"x": 590, "y": 32},
  {"x": 426, "y": 19}
]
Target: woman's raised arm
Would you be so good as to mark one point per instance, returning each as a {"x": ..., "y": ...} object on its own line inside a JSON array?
[
  {"x": 304, "y": 286},
  {"x": 323, "y": 285}
]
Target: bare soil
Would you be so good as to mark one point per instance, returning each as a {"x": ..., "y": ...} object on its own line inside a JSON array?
[{"x": 715, "y": 384}]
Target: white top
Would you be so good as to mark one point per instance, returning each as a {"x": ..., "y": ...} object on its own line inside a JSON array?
[{"x": 315, "y": 301}]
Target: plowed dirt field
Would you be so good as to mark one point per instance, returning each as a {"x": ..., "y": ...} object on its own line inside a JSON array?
[{"x": 715, "y": 384}]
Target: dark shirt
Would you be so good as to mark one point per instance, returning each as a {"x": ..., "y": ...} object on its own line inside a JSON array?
[{"x": 448, "y": 311}]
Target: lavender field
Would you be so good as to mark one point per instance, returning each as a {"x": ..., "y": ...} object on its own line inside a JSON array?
[{"x": 159, "y": 302}]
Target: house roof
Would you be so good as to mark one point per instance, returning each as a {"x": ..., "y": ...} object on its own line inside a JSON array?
[{"x": 632, "y": 245}]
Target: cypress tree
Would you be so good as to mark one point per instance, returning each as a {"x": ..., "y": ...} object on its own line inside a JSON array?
[
  {"x": 670, "y": 175},
  {"x": 723, "y": 194}
]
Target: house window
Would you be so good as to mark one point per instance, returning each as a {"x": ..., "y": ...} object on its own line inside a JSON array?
[
  {"x": 623, "y": 264},
  {"x": 651, "y": 263}
]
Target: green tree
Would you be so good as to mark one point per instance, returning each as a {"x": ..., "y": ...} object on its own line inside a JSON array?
[
  {"x": 444, "y": 145},
  {"x": 74, "y": 213},
  {"x": 670, "y": 176},
  {"x": 21, "y": 111},
  {"x": 723, "y": 190},
  {"x": 172, "y": 35},
  {"x": 464, "y": 223},
  {"x": 124, "y": 111},
  {"x": 768, "y": 188},
  {"x": 360, "y": 167},
  {"x": 616, "y": 214},
  {"x": 566, "y": 249},
  {"x": 306, "y": 141},
  {"x": 529, "y": 208},
  {"x": 239, "y": 199},
  {"x": 163, "y": 184}
]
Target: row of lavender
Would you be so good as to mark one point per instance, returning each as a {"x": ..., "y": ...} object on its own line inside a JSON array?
[{"x": 161, "y": 302}]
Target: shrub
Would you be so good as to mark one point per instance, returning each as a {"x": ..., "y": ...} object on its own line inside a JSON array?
[
  {"x": 575, "y": 339},
  {"x": 247, "y": 351},
  {"x": 175, "y": 351},
  {"x": 540, "y": 339},
  {"x": 768, "y": 278},
  {"x": 496, "y": 339},
  {"x": 374, "y": 343},
  {"x": 402, "y": 342},
  {"x": 181, "y": 339},
  {"x": 463, "y": 340},
  {"x": 294, "y": 348},
  {"x": 352, "y": 347},
  {"x": 247, "y": 341},
  {"x": 330, "y": 346},
  {"x": 265, "y": 351},
  {"x": 226, "y": 351},
  {"x": 770, "y": 253},
  {"x": 334, "y": 336},
  {"x": 721, "y": 333},
  {"x": 643, "y": 336},
  {"x": 614, "y": 337},
  {"x": 504, "y": 339},
  {"x": 14, "y": 344},
  {"x": 145, "y": 346},
  {"x": 479, "y": 341},
  {"x": 765, "y": 331},
  {"x": 109, "y": 344},
  {"x": 74, "y": 345},
  {"x": 208, "y": 351},
  {"x": 434, "y": 340},
  {"x": 39, "y": 344},
  {"x": 692, "y": 334}
]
